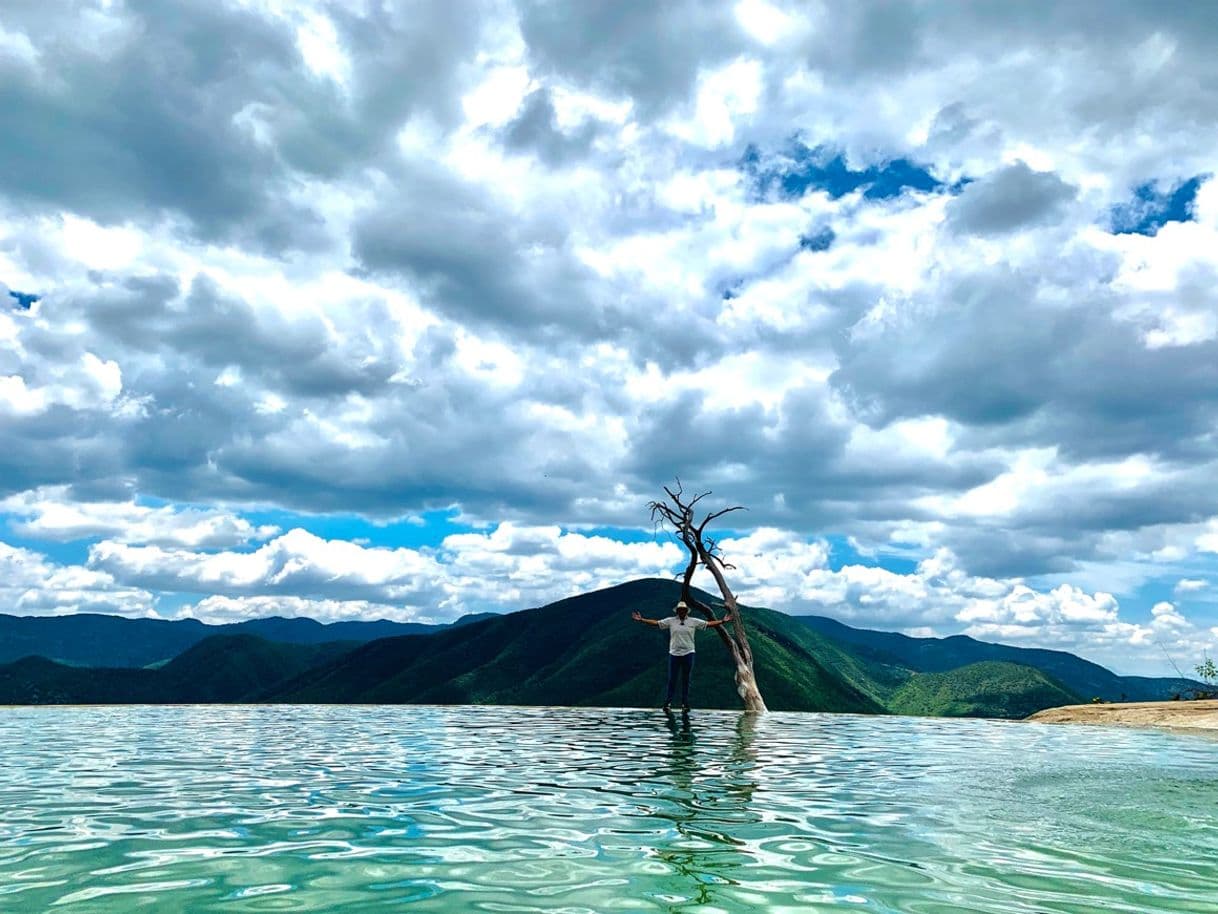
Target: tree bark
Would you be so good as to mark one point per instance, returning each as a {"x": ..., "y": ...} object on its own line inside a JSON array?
[{"x": 677, "y": 511}]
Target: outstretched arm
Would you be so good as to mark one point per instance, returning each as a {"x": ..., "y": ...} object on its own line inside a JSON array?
[
  {"x": 638, "y": 617},
  {"x": 717, "y": 622}
]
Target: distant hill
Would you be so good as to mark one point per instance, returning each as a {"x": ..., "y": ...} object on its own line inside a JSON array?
[
  {"x": 38, "y": 681},
  {"x": 473, "y": 617},
  {"x": 992, "y": 688},
  {"x": 936, "y": 655},
  {"x": 89, "y": 639},
  {"x": 222, "y": 668},
  {"x": 580, "y": 651},
  {"x": 234, "y": 667}
]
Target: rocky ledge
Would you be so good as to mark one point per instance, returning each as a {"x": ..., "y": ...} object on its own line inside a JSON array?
[{"x": 1170, "y": 715}]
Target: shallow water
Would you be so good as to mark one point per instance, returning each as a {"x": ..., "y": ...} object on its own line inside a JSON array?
[{"x": 427, "y": 809}]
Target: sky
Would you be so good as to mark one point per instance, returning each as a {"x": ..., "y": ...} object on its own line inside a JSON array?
[{"x": 407, "y": 310}]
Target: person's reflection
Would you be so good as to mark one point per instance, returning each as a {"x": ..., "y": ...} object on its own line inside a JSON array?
[
  {"x": 712, "y": 787},
  {"x": 680, "y": 726}
]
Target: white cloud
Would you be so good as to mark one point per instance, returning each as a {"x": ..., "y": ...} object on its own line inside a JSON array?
[
  {"x": 372, "y": 293},
  {"x": 509, "y": 567},
  {"x": 1021, "y": 605},
  {"x": 1191, "y": 585},
  {"x": 16, "y": 46},
  {"x": 31, "y": 585},
  {"x": 322, "y": 50},
  {"x": 101, "y": 247},
  {"x": 50, "y": 514},
  {"x": 89, "y": 384},
  {"x": 294, "y": 562},
  {"x": 724, "y": 98},
  {"x": 1208, "y": 541},
  {"x": 765, "y": 22},
  {"x": 938, "y": 599},
  {"x": 219, "y": 610},
  {"x": 1165, "y": 616}
]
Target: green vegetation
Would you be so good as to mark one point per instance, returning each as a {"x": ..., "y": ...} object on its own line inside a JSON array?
[
  {"x": 38, "y": 681},
  {"x": 223, "y": 668},
  {"x": 1208, "y": 672},
  {"x": 89, "y": 639},
  {"x": 233, "y": 667},
  {"x": 938, "y": 655},
  {"x": 579, "y": 651},
  {"x": 992, "y": 688}
]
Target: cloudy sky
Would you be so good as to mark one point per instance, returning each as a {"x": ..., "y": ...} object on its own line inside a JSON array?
[{"x": 407, "y": 311}]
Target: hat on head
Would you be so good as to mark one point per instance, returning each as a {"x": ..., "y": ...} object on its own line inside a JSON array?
[{"x": 680, "y": 605}]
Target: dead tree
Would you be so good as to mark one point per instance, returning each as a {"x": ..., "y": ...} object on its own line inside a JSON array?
[{"x": 677, "y": 511}]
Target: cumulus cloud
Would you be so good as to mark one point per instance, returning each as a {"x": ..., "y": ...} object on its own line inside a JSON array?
[
  {"x": 511, "y": 267},
  {"x": 1011, "y": 198},
  {"x": 295, "y": 562},
  {"x": 536, "y": 130},
  {"x": 32, "y": 585},
  {"x": 854, "y": 269},
  {"x": 650, "y": 54},
  {"x": 50, "y": 514},
  {"x": 938, "y": 597},
  {"x": 214, "y": 112},
  {"x": 509, "y": 567},
  {"x": 221, "y": 609}
]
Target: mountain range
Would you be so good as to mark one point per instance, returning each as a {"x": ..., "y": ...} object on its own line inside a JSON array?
[
  {"x": 91, "y": 639},
  {"x": 584, "y": 650}
]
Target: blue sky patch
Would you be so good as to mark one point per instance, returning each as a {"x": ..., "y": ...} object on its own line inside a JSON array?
[
  {"x": 802, "y": 168},
  {"x": 75, "y": 552},
  {"x": 428, "y": 530},
  {"x": 1152, "y": 208},
  {"x": 25, "y": 300},
  {"x": 842, "y": 553}
]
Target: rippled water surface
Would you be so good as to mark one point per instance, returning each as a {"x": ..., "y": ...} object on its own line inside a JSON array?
[{"x": 350, "y": 809}]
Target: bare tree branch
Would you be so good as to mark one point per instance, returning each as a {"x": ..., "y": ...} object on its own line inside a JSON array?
[{"x": 677, "y": 512}]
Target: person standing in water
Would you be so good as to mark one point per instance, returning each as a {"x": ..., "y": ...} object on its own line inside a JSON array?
[{"x": 681, "y": 630}]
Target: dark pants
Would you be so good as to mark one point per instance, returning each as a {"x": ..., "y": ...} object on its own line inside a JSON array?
[{"x": 682, "y": 666}]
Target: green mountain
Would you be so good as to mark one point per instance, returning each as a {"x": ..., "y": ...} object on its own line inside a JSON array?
[
  {"x": 936, "y": 655},
  {"x": 38, "y": 681},
  {"x": 223, "y": 668},
  {"x": 233, "y": 667},
  {"x": 583, "y": 651},
  {"x": 991, "y": 688},
  {"x": 90, "y": 639}
]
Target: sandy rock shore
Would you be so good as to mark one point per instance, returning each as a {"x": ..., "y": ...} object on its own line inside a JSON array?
[{"x": 1170, "y": 715}]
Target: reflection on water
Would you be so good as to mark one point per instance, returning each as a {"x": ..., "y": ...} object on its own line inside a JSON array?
[
  {"x": 712, "y": 793},
  {"x": 579, "y": 811}
]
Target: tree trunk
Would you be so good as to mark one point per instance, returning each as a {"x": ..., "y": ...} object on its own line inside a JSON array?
[{"x": 738, "y": 644}]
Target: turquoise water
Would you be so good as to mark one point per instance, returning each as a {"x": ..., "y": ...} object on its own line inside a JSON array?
[{"x": 244, "y": 809}]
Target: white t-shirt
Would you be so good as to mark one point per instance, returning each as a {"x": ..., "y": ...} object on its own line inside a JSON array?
[{"x": 681, "y": 634}]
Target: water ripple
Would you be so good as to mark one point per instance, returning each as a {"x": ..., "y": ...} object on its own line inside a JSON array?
[{"x": 556, "y": 810}]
